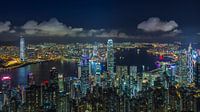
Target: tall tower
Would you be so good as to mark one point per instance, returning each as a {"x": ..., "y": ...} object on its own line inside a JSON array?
[
  {"x": 132, "y": 80},
  {"x": 22, "y": 49},
  {"x": 61, "y": 82},
  {"x": 197, "y": 81},
  {"x": 95, "y": 50},
  {"x": 84, "y": 73},
  {"x": 182, "y": 68},
  {"x": 31, "y": 80},
  {"x": 190, "y": 64},
  {"x": 110, "y": 57},
  {"x": 122, "y": 78}
]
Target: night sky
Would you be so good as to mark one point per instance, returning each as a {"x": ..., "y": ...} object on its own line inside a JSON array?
[{"x": 117, "y": 19}]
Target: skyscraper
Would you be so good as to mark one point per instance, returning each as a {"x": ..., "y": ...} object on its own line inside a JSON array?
[
  {"x": 30, "y": 79},
  {"x": 197, "y": 76},
  {"x": 95, "y": 50},
  {"x": 182, "y": 69},
  {"x": 197, "y": 82},
  {"x": 110, "y": 57},
  {"x": 84, "y": 73},
  {"x": 132, "y": 80},
  {"x": 22, "y": 49},
  {"x": 190, "y": 64},
  {"x": 98, "y": 73},
  {"x": 122, "y": 78},
  {"x": 61, "y": 82}
]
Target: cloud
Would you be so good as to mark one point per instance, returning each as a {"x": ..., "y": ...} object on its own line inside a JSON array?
[
  {"x": 113, "y": 33},
  {"x": 177, "y": 31},
  {"x": 173, "y": 33},
  {"x": 5, "y": 26},
  {"x": 154, "y": 24},
  {"x": 198, "y": 33},
  {"x": 12, "y": 31},
  {"x": 47, "y": 28},
  {"x": 55, "y": 28}
]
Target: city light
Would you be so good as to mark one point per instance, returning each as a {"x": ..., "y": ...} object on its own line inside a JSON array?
[
  {"x": 6, "y": 78},
  {"x": 100, "y": 56}
]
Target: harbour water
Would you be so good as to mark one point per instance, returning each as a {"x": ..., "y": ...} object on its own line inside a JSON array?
[{"x": 126, "y": 57}]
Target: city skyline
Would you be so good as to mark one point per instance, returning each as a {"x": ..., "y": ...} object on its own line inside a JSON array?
[{"x": 100, "y": 56}]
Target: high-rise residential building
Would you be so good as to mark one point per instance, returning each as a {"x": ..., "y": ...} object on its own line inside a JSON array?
[
  {"x": 61, "y": 82},
  {"x": 182, "y": 69},
  {"x": 132, "y": 80},
  {"x": 110, "y": 57},
  {"x": 197, "y": 82},
  {"x": 122, "y": 78},
  {"x": 133, "y": 71},
  {"x": 197, "y": 76},
  {"x": 33, "y": 98},
  {"x": 22, "y": 49},
  {"x": 54, "y": 88},
  {"x": 31, "y": 80},
  {"x": 6, "y": 83}
]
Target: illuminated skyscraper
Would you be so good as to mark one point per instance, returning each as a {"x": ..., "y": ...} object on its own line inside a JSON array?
[
  {"x": 98, "y": 72},
  {"x": 182, "y": 69},
  {"x": 6, "y": 83},
  {"x": 197, "y": 76},
  {"x": 132, "y": 80},
  {"x": 30, "y": 79},
  {"x": 84, "y": 73},
  {"x": 22, "y": 49},
  {"x": 61, "y": 82},
  {"x": 54, "y": 91},
  {"x": 33, "y": 98},
  {"x": 122, "y": 78},
  {"x": 133, "y": 71},
  {"x": 6, "y": 86},
  {"x": 190, "y": 64},
  {"x": 95, "y": 50},
  {"x": 110, "y": 57},
  {"x": 79, "y": 70},
  {"x": 197, "y": 82}
]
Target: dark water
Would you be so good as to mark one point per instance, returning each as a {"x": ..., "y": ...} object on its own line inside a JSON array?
[
  {"x": 41, "y": 70},
  {"x": 131, "y": 57}
]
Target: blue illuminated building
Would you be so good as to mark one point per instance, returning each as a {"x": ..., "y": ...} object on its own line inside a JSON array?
[
  {"x": 110, "y": 57},
  {"x": 84, "y": 73}
]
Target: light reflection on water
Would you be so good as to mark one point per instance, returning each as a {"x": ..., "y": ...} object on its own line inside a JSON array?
[
  {"x": 22, "y": 79},
  {"x": 40, "y": 71}
]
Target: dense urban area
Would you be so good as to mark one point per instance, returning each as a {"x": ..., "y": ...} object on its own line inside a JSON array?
[{"x": 100, "y": 85}]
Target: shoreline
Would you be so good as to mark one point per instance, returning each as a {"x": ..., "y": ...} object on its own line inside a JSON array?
[
  {"x": 34, "y": 62},
  {"x": 22, "y": 65}
]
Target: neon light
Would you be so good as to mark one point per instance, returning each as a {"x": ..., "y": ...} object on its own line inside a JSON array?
[
  {"x": 45, "y": 82},
  {"x": 161, "y": 57},
  {"x": 5, "y": 78}
]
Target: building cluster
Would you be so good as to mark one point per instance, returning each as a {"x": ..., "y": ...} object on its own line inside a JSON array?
[{"x": 101, "y": 86}]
